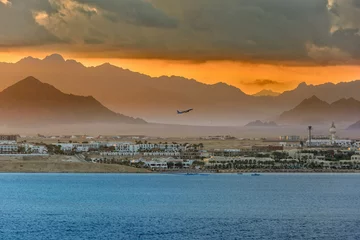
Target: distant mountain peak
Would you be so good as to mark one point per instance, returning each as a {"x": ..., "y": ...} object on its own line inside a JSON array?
[
  {"x": 302, "y": 84},
  {"x": 346, "y": 102},
  {"x": 31, "y": 80},
  {"x": 54, "y": 58},
  {"x": 313, "y": 101},
  {"x": 107, "y": 64},
  {"x": 266, "y": 93},
  {"x": 30, "y": 85},
  {"x": 28, "y": 60},
  {"x": 31, "y": 100},
  {"x": 314, "y": 98}
]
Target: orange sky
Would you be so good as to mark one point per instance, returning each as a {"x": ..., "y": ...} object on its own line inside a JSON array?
[{"x": 239, "y": 74}]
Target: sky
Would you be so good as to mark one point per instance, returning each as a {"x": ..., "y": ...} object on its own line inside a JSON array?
[{"x": 250, "y": 44}]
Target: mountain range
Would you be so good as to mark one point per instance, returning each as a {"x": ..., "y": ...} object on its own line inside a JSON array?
[
  {"x": 316, "y": 111},
  {"x": 31, "y": 102},
  {"x": 156, "y": 99}
]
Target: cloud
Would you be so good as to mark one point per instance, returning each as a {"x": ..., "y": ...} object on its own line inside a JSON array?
[
  {"x": 345, "y": 14},
  {"x": 263, "y": 82},
  {"x": 328, "y": 55},
  {"x": 277, "y": 31},
  {"x": 19, "y": 29},
  {"x": 5, "y": 2},
  {"x": 135, "y": 12}
]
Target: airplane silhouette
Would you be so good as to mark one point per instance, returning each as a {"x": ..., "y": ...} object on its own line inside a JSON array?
[{"x": 186, "y": 111}]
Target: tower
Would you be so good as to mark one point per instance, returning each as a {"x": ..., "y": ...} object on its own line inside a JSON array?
[
  {"x": 309, "y": 129},
  {"x": 332, "y": 131}
]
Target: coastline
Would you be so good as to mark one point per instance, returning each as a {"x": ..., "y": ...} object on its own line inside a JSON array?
[{"x": 36, "y": 166}]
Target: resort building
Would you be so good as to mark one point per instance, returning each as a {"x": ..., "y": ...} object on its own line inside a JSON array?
[
  {"x": 156, "y": 165},
  {"x": 8, "y": 148},
  {"x": 78, "y": 147},
  {"x": 292, "y": 138},
  {"x": 226, "y": 152},
  {"x": 12, "y": 138}
]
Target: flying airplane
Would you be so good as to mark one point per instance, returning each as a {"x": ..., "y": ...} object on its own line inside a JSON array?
[{"x": 186, "y": 111}]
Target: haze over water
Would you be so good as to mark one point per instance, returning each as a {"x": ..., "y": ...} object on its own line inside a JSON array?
[{"x": 97, "y": 206}]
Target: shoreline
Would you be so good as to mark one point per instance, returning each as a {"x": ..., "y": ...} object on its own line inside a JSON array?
[
  {"x": 145, "y": 171},
  {"x": 40, "y": 166}
]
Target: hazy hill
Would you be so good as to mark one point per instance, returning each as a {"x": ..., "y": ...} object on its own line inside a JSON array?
[
  {"x": 266, "y": 93},
  {"x": 157, "y": 99},
  {"x": 314, "y": 111},
  {"x": 355, "y": 126},
  {"x": 33, "y": 102}
]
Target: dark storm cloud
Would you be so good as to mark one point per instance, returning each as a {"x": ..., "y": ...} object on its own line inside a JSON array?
[
  {"x": 283, "y": 31},
  {"x": 356, "y": 3},
  {"x": 263, "y": 82},
  {"x": 137, "y": 12}
]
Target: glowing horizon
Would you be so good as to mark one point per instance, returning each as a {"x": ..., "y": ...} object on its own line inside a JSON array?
[{"x": 248, "y": 77}]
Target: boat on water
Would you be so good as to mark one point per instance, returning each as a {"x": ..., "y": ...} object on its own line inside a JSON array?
[
  {"x": 255, "y": 174},
  {"x": 239, "y": 173}
]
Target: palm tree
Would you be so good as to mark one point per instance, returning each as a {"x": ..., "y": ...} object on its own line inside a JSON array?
[{"x": 201, "y": 145}]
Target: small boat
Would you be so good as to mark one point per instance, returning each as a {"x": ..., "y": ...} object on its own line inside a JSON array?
[
  {"x": 255, "y": 174},
  {"x": 239, "y": 173},
  {"x": 191, "y": 174}
]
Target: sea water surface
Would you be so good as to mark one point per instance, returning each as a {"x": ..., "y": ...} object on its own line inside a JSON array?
[{"x": 165, "y": 206}]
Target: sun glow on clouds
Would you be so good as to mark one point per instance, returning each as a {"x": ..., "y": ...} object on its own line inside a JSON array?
[
  {"x": 69, "y": 21},
  {"x": 6, "y": 2}
]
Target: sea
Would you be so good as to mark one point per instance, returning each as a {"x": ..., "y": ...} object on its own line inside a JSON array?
[{"x": 179, "y": 206}]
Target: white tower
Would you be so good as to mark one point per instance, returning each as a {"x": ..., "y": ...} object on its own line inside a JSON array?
[{"x": 332, "y": 131}]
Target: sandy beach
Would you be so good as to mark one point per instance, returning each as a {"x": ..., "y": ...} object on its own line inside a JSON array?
[{"x": 61, "y": 164}]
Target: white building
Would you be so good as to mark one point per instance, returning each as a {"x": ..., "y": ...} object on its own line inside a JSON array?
[
  {"x": 156, "y": 165},
  {"x": 8, "y": 148},
  {"x": 162, "y": 163},
  {"x": 78, "y": 147},
  {"x": 296, "y": 154}
]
